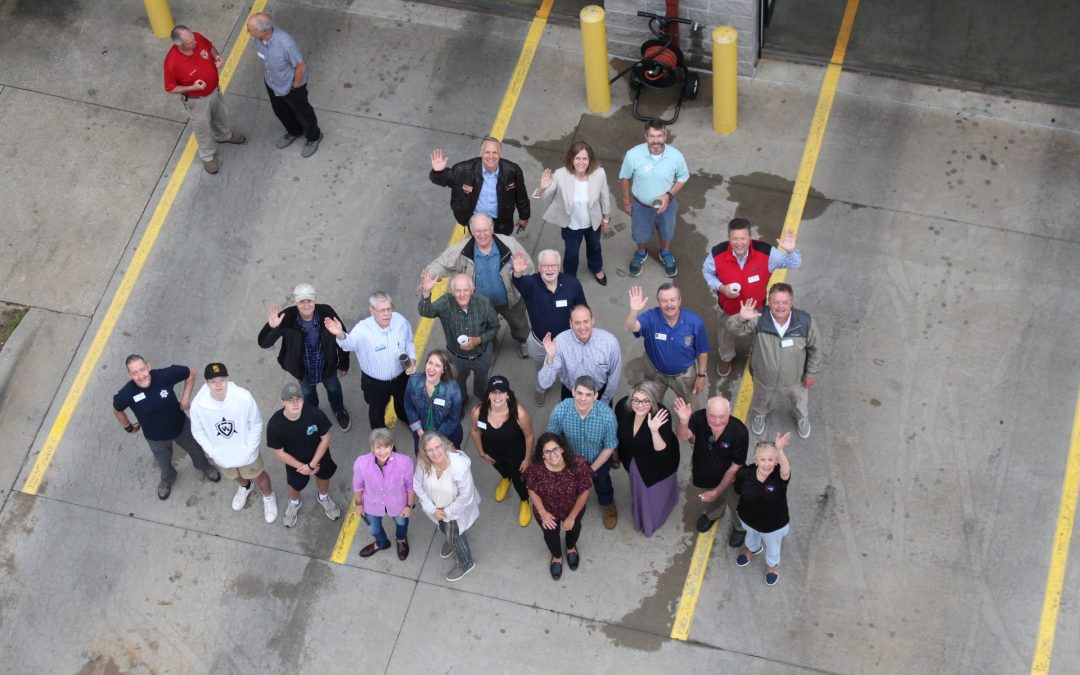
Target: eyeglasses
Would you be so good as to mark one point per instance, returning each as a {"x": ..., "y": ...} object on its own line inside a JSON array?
[
  {"x": 640, "y": 401},
  {"x": 552, "y": 451}
]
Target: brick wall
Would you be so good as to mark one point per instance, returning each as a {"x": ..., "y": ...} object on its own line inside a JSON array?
[{"x": 626, "y": 30}]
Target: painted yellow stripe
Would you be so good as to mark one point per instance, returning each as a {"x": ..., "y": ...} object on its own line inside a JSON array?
[
  {"x": 423, "y": 329},
  {"x": 684, "y": 616},
  {"x": 127, "y": 284},
  {"x": 1059, "y": 553}
]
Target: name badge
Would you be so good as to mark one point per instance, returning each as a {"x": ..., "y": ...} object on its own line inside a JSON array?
[
  {"x": 560, "y": 303},
  {"x": 138, "y": 397},
  {"x": 481, "y": 425},
  {"x": 753, "y": 280},
  {"x": 787, "y": 343},
  {"x": 661, "y": 336},
  {"x": 380, "y": 348},
  {"x": 439, "y": 401}
]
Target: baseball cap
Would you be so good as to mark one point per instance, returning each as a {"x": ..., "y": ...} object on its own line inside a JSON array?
[
  {"x": 304, "y": 291},
  {"x": 498, "y": 383},
  {"x": 215, "y": 369},
  {"x": 291, "y": 390}
]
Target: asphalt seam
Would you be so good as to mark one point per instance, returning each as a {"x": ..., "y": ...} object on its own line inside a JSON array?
[{"x": 92, "y": 103}]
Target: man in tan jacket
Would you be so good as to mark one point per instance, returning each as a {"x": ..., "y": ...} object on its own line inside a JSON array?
[{"x": 486, "y": 257}]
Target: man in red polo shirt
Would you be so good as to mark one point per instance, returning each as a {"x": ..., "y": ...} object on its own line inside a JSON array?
[
  {"x": 738, "y": 270},
  {"x": 191, "y": 70}
]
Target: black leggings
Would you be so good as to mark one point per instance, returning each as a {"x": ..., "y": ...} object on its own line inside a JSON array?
[
  {"x": 510, "y": 467},
  {"x": 553, "y": 540}
]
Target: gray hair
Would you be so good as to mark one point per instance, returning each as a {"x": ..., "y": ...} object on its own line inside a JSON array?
[
  {"x": 132, "y": 359},
  {"x": 380, "y": 436},
  {"x": 480, "y": 218},
  {"x": 262, "y": 22},
  {"x": 466, "y": 277},
  {"x": 175, "y": 34},
  {"x": 589, "y": 382},
  {"x": 379, "y": 296},
  {"x": 550, "y": 252},
  {"x": 490, "y": 139}
]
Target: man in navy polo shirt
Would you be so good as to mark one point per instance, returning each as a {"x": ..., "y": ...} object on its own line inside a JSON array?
[
  {"x": 161, "y": 416},
  {"x": 549, "y": 297},
  {"x": 676, "y": 343}
]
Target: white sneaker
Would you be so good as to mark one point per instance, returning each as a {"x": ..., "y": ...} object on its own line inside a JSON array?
[
  {"x": 241, "y": 497},
  {"x": 291, "y": 511},
  {"x": 804, "y": 428},
  {"x": 757, "y": 425},
  {"x": 270, "y": 508},
  {"x": 331, "y": 509}
]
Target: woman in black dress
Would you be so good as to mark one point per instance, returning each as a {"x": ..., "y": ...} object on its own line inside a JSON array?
[
  {"x": 763, "y": 509},
  {"x": 502, "y": 431},
  {"x": 649, "y": 452}
]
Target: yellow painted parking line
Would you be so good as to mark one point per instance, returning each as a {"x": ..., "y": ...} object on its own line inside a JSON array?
[
  {"x": 1059, "y": 552},
  {"x": 684, "y": 615},
  {"x": 127, "y": 284},
  {"x": 423, "y": 329}
]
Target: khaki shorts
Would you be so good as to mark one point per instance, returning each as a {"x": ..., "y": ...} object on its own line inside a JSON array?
[{"x": 247, "y": 472}]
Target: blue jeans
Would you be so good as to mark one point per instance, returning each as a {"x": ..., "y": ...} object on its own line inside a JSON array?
[
  {"x": 333, "y": 392},
  {"x": 605, "y": 491},
  {"x": 770, "y": 540},
  {"x": 644, "y": 219},
  {"x": 374, "y": 526},
  {"x": 573, "y": 246}
]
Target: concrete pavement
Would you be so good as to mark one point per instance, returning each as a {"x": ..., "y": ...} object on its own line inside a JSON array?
[{"x": 923, "y": 505}]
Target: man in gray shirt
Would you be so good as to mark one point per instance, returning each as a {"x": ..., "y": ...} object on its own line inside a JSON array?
[
  {"x": 582, "y": 350},
  {"x": 285, "y": 75}
]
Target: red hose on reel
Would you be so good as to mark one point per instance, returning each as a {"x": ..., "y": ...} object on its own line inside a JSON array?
[{"x": 665, "y": 61}]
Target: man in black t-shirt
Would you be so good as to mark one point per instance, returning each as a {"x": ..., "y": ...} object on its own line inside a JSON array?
[
  {"x": 299, "y": 435},
  {"x": 161, "y": 416},
  {"x": 720, "y": 445}
]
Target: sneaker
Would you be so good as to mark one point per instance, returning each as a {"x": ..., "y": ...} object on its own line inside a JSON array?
[
  {"x": 704, "y": 523},
  {"x": 541, "y": 398},
  {"x": 502, "y": 489},
  {"x": 285, "y": 141},
  {"x": 611, "y": 516},
  {"x": 239, "y": 500},
  {"x": 757, "y": 425},
  {"x": 237, "y": 138},
  {"x": 343, "y": 420},
  {"x": 211, "y": 166},
  {"x": 723, "y": 368},
  {"x": 746, "y": 555},
  {"x": 803, "y": 428},
  {"x": 457, "y": 572},
  {"x": 291, "y": 511},
  {"x": 524, "y": 513},
  {"x": 523, "y": 349},
  {"x": 330, "y": 508},
  {"x": 270, "y": 509},
  {"x": 164, "y": 490},
  {"x": 636, "y": 262},
  {"x": 212, "y": 475},
  {"x": 310, "y": 147},
  {"x": 772, "y": 576},
  {"x": 446, "y": 551},
  {"x": 668, "y": 261}
]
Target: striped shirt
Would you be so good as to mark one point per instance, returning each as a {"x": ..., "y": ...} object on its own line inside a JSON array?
[
  {"x": 587, "y": 435},
  {"x": 600, "y": 357},
  {"x": 777, "y": 260},
  {"x": 378, "y": 349},
  {"x": 479, "y": 320}
]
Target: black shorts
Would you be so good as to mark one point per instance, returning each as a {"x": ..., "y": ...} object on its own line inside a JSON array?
[{"x": 299, "y": 481}]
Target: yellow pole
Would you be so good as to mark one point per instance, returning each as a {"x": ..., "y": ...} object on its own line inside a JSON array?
[
  {"x": 594, "y": 45},
  {"x": 161, "y": 21},
  {"x": 725, "y": 45}
]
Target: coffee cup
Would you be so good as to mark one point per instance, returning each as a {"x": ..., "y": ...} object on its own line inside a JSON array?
[{"x": 735, "y": 288}]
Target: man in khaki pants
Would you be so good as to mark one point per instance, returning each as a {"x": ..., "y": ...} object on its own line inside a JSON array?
[{"x": 191, "y": 71}]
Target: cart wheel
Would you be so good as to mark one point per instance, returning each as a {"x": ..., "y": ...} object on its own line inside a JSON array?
[{"x": 690, "y": 86}]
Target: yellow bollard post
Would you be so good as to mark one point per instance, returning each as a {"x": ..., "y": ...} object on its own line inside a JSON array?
[
  {"x": 161, "y": 21},
  {"x": 725, "y": 44},
  {"x": 594, "y": 46}
]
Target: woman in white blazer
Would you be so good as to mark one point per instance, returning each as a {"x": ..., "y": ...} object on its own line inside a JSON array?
[
  {"x": 582, "y": 207},
  {"x": 443, "y": 484}
]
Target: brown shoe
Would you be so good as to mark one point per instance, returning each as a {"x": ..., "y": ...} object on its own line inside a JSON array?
[
  {"x": 723, "y": 368},
  {"x": 402, "y": 549},
  {"x": 611, "y": 516},
  {"x": 237, "y": 138},
  {"x": 371, "y": 549},
  {"x": 211, "y": 166}
]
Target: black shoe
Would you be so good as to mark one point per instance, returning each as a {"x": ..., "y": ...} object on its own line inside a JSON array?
[
  {"x": 556, "y": 570},
  {"x": 704, "y": 523},
  {"x": 602, "y": 280},
  {"x": 212, "y": 475},
  {"x": 737, "y": 538},
  {"x": 343, "y": 419},
  {"x": 164, "y": 490},
  {"x": 572, "y": 559}
]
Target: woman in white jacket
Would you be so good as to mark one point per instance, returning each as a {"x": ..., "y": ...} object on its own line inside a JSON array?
[
  {"x": 581, "y": 208},
  {"x": 444, "y": 487},
  {"x": 226, "y": 422}
]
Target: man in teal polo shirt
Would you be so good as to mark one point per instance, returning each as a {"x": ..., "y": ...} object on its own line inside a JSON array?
[{"x": 652, "y": 174}]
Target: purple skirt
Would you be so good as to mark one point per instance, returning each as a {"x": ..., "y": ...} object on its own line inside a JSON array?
[{"x": 651, "y": 505}]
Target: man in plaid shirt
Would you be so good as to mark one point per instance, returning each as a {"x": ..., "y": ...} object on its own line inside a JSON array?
[{"x": 470, "y": 324}]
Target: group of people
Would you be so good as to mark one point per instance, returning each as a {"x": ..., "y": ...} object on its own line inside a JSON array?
[{"x": 490, "y": 275}]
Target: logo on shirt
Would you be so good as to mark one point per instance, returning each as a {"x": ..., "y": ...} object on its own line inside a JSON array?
[
  {"x": 770, "y": 488},
  {"x": 225, "y": 428},
  {"x": 205, "y": 54},
  {"x": 164, "y": 393},
  {"x": 312, "y": 430},
  {"x": 688, "y": 340}
]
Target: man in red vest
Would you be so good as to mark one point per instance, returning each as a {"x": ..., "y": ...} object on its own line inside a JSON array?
[{"x": 738, "y": 270}]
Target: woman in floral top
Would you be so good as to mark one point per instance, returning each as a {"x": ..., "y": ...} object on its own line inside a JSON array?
[{"x": 559, "y": 482}]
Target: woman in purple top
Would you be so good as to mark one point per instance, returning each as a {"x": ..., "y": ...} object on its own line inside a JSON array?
[
  {"x": 382, "y": 480},
  {"x": 763, "y": 509},
  {"x": 649, "y": 452},
  {"x": 559, "y": 482}
]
